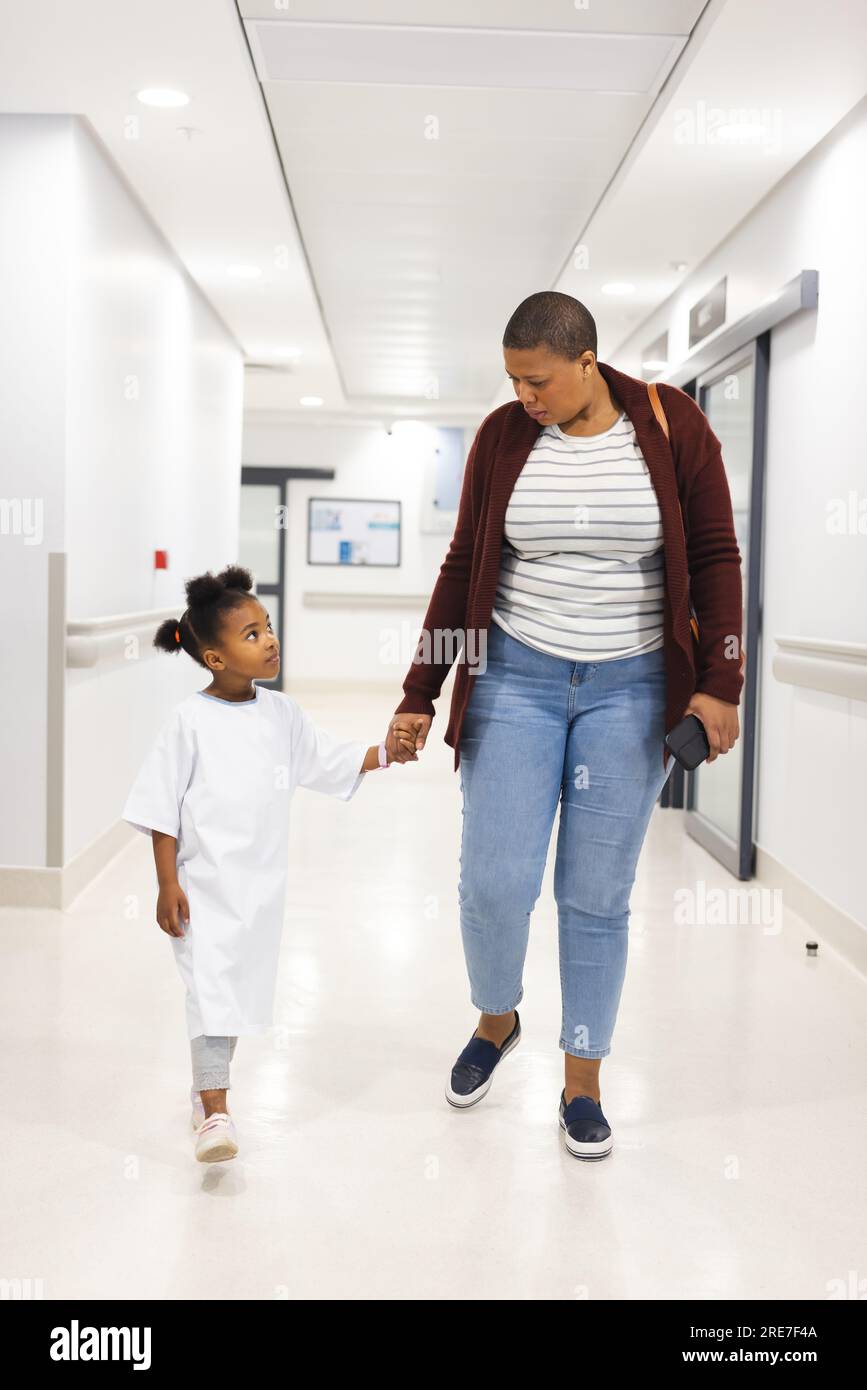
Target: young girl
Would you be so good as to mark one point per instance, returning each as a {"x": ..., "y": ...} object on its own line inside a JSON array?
[{"x": 214, "y": 793}]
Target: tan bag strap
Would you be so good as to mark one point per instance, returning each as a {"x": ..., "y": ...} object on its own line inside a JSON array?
[{"x": 658, "y": 411}]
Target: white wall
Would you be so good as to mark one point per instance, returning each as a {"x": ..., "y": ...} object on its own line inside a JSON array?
[
  {"x": 370, "y": 645},
  {"x": 34, "y": 173},
  {"x": 812, "y": 812},
  {"x": 126, "y": 395},
  {"x": 153, "y": 462}
]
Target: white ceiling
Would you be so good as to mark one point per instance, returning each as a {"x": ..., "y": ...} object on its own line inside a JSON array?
[
  {"x": 390, "y": 259},
  {"x": 439, "y": 171},
  {"x": 796, "y": 68}
]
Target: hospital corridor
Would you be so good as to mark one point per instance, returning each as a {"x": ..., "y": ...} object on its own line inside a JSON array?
[{"x": 433, "y": 530}]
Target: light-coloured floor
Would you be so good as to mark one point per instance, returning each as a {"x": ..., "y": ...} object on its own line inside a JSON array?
[{"x": 735, "y": 1090}]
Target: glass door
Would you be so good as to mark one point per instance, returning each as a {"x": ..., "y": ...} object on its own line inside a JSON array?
[
  {"x": 720, "y": 797},
  {"x": 262, "y": 546}
]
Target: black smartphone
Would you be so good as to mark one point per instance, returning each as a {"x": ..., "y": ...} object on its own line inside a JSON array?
[{"x": 687, "y": 742}]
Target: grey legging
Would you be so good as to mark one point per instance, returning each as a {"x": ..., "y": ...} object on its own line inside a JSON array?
[{"x": 211, "y": 1058}]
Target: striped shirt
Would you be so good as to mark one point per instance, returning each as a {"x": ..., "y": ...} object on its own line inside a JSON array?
[{"x": 581, "y": 565}]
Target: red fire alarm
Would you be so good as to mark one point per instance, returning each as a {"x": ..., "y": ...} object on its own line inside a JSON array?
[{"x": 161, "y": 559}]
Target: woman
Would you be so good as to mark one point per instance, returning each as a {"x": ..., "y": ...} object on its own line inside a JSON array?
[{"x": 582, "y": 540}]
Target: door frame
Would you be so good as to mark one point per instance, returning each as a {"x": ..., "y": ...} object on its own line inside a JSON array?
[
  {"x": 739, "y": 856},
  {"x": 257, "y": 475}
]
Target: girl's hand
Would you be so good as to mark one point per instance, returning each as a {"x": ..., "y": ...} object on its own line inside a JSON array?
[
  {"x": 171, "y": 907},
  {"x": 720, "y": 720}
]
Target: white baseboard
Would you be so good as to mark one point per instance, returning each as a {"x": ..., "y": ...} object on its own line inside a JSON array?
[
  {"x": 30, "y": 887},
  {"x": 823, "y": 919},
  {"x": 40, "y": 887}
]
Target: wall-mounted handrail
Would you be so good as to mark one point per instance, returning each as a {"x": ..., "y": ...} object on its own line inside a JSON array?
[
  {"x": 92, "y": 640},
  {"x": 316, "y": 599},
  {"x": 818, "y": 663}
]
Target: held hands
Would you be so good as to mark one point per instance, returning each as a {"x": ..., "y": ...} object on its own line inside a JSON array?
[
  {"x": 406, "y": 735},
  {"x": 171, "y": 907},
  {"x": 720, "y": 720}
]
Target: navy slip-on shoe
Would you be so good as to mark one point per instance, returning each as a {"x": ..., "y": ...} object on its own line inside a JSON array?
[
  {"x": 473, "y": 1072},
  {"x": 585, "y": 1128}
]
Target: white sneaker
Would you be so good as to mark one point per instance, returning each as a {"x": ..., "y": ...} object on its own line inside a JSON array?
[{"x": 216, "y": 1138}]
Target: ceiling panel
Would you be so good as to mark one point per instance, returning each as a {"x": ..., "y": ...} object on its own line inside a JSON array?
[
  {"x": 612, "y": 16},
  {"x": 385, "y": 255},
  {"x": 453, "y": 163},
  {"x": 407, "y": 55}
]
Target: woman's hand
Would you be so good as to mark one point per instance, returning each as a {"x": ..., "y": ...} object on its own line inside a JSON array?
[
  {"x": 720, "y": 720},
  {"x": 171, "y": 907},
  {"x": 406, "y": 734}
]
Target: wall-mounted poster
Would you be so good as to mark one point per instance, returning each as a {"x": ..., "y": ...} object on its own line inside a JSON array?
[{"x": 353, "y": 531}]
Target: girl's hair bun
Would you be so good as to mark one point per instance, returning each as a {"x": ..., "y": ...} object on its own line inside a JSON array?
[
  {"x": 202, "y": 590},
  {"x": 207, "y": 588},
  {"x": 236, "y": 577},
  {"x": 166, "y": 636}
]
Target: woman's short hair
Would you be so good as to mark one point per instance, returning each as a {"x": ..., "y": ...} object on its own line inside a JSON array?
[{"x": 557, "y": 321}]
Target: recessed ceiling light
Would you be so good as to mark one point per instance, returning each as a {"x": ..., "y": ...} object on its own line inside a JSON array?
[
  {"x": 245, "y": 272},
  {"x": 618, "y": 287},
  {"x": 678, "y": 266},
  {"x": 310, "y": 400},
  {"x": 162, "y": 96},
  {"x": 654, "y": 364},
  {"x": 409, "y": 426},
  {"x": 287, "y": 352}
]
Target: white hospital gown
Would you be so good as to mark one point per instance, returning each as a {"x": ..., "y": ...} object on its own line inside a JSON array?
[{"x": 220, "y": 777}]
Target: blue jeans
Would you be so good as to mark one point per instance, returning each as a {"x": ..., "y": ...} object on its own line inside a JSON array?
[{"x": 539, "y": 729}]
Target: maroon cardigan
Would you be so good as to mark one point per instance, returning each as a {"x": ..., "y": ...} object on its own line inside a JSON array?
[{"x": 705, "y": 568}]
